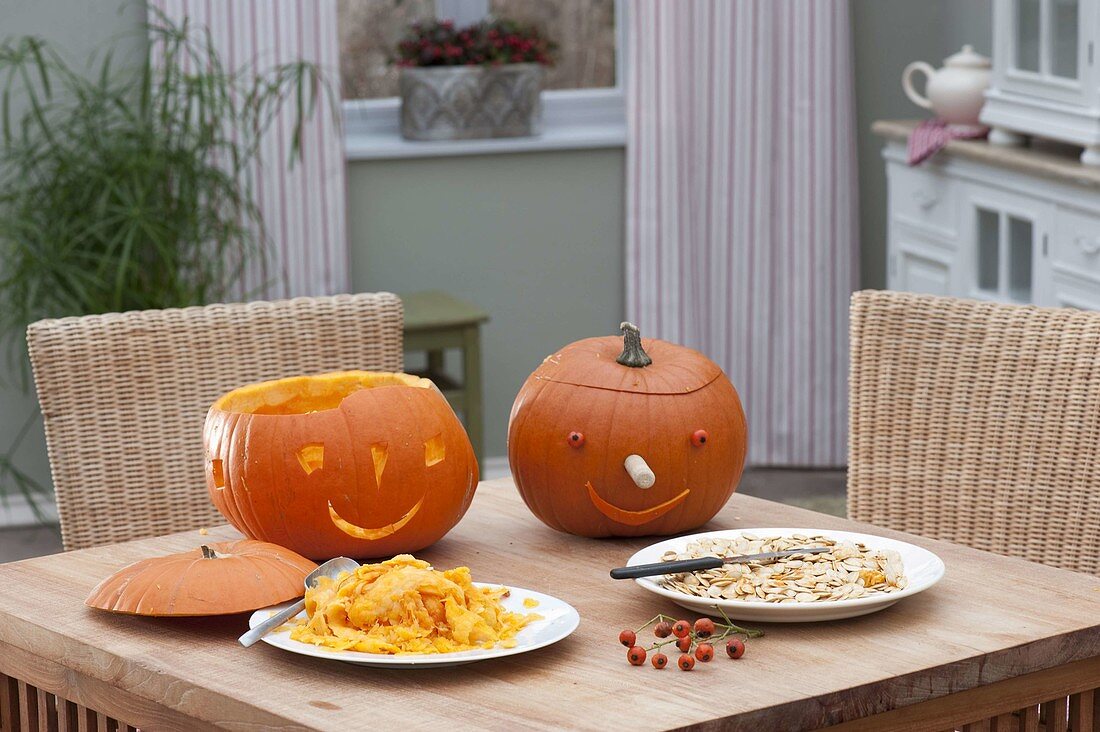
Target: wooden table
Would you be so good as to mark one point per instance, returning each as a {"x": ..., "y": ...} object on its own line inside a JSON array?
[{"x": 996, "y": 636}]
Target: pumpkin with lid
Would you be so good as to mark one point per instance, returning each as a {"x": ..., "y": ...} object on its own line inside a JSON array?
[{"x": 626, "y": 436}]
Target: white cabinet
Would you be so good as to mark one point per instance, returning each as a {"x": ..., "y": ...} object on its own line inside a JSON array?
[{"x": 968, "y": 228}]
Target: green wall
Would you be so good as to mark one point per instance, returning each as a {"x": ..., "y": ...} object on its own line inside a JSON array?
[{"x": 534, "y": 238}]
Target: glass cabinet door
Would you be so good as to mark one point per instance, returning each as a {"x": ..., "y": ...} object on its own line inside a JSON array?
[
  {"x": 1005, "y": 248},
  {"x": 1048, "y": 52},
  {"x": 1064, "y": 52}
]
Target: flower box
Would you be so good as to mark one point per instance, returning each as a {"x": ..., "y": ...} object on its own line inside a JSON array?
[{"x": 466, "y": 102}]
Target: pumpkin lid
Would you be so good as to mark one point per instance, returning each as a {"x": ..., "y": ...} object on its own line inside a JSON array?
[
  {"x": 213, "y": 579},
  {"x": 598, "y": 363}
]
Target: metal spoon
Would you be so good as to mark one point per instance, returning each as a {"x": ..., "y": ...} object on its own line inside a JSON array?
[{"x": 332, "y": 568}]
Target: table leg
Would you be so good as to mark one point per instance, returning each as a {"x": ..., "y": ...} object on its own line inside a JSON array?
[
  {"x": 471, "y": 383},
  {"x": 9, "y": 702},
  {"x": 1081, "y": 712}
]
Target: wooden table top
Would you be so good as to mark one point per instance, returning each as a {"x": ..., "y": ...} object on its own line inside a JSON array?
[
  {"x": 437, "y": 309},
  {"x": 1045, "y": 158},
  {"x": 991, "y": 618}
]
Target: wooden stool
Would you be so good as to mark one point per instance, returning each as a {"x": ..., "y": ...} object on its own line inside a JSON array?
[{"x": 434, "y": 322}]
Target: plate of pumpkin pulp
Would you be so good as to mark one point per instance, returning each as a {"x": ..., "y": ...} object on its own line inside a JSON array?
[{"x": 403, "y": 612}]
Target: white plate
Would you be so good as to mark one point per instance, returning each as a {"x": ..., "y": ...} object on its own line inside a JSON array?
[
  {"x": 921, "y": 567},
  {"x": 559, "y": 619}
]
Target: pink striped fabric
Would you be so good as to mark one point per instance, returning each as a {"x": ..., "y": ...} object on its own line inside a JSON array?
[
  {"x": 303, "y": 209},
  {"x": 932, "y": 135},
  {"x": 741, "y": 205}
]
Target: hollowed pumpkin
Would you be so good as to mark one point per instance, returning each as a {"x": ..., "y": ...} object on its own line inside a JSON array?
[
  {"x": 353, "y": 463},
  {"x": 624, "y": 437}
]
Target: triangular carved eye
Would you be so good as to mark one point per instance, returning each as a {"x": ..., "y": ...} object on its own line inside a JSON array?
[
  {"x": 379, "y": 451},
  {"x": 434, "y": 450},
  {"x": 311, "y": 457}
]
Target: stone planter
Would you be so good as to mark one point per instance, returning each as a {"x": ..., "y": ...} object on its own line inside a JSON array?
[{"x": 465, "y": 102}]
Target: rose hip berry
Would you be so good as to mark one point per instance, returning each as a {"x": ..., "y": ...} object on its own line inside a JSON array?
[
  {"x": 659, "y": 660},
  {"x": 627, "y": 638},
  {"x": 662, "y": 629},
  {"x": 681, "y": 628},
  {"x": 704, "y": 628},
  {"x": 735, "y": 647},
  {"x": 636, "y": 655},
  {"x": 684, "y": 644},
  {"x": 704, "y": 652},
  {"x": 685, "y": 662}
]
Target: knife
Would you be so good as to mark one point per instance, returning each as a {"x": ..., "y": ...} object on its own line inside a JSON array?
[{"x": 695, "y": 565}]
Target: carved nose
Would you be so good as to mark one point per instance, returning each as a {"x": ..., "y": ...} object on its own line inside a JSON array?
[{"x": 639, "y": 472}]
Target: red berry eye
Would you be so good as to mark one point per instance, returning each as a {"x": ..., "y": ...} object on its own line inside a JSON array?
[
  {"x": 576, "y": 439},
  {"x": 699, "y": 438}
]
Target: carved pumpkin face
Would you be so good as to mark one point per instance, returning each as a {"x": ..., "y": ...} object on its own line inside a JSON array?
[
  {"x": 583, "y": 419},
  {"x": 354, "y": 463}
]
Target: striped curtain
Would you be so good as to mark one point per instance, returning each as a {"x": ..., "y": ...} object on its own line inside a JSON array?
[
  {"x": 303, "y": 208},
  {"x": 741, "y": 205}
]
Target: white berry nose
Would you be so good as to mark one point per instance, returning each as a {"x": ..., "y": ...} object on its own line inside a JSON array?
[{"x": 639, "y": 471}]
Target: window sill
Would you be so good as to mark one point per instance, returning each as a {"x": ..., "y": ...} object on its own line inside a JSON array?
[
  {"x": 572, "y": 120},
  {"x": 382, "y": 146}
]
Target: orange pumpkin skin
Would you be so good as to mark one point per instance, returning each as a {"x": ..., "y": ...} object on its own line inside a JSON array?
[
  {"x": 354, "y": 463},
  {"x": 215, "y": 579},
  {"x": 651, "y": 411}
]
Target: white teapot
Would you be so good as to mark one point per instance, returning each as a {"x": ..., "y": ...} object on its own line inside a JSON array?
[{"x": 957, "y": 91}]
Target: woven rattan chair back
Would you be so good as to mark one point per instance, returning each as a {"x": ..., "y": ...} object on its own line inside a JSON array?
[
  {"x": 978, "y": 423},
  {"x": 124, "y": 396}
]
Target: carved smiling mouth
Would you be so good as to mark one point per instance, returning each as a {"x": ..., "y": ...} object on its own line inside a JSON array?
[
  {"x": 633, "y": 518},
  {"x": 360, "y": 532}
]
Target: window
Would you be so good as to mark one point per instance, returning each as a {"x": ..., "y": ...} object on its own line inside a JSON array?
[
  {"x": 582, "y": 104},
  {"x": 369, "y": 29},
  {"x": 583, "y": 29}
]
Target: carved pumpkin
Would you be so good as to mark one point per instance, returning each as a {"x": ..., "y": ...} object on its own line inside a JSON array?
[
  {"x": 214, "y": 579},
  {"x": 354, "y": 463},
  {"x": 647, "y": 441}
]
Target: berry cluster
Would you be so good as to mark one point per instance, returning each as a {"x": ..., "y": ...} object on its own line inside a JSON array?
[{"x": 702, "y": 637}]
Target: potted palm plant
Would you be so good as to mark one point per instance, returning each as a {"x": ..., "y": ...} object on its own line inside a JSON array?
[
  {"x": 484, "y": 80},
  {"x": 125, "y": 189}
]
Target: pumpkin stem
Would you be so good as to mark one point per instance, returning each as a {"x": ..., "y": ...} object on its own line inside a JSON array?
[
  {"x": 633, "y": 354},
  {"x": 208, "y": 553}
]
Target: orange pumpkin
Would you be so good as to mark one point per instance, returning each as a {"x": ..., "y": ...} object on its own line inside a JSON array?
[
  {"x": 625, "y": 437},
  {"x": 215, "y": 579},
  {"x": 352, "y": 463}
]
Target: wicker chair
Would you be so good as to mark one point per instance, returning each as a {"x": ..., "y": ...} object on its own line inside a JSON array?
[
  {"x": 978, "y": 423},
  {"x": 124, "y": 396}
]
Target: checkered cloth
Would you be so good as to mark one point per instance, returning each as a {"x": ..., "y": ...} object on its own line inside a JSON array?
[{"x": 932, "y": 134}]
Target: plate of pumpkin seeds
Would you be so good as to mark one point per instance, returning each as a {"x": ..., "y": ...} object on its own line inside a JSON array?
[{"x": 858, "y": 575}]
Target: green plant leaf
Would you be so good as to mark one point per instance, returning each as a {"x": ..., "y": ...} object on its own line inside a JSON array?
[{"x": 128, "y": 188}]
